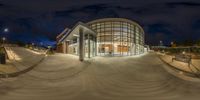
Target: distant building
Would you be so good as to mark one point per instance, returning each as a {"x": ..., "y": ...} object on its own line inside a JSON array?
[
  {"x": 102, "y": 37},
  {"x": 59, "y": 40},
  {"x": 157, "y": 48}
]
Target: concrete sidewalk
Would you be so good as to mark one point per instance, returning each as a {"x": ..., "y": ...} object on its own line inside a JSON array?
[
  {"x": 7, "y": 68},
  {"x": 194, "y": 68},
  {"x": 20, "y": 60}
]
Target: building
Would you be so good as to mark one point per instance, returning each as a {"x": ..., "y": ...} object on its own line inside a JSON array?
[
  {"x": 60, "y": 42},
  {"x": 102, "y": 37}
]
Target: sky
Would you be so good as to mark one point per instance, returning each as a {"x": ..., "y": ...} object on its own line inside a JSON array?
[{"x": 42, "y": 20}]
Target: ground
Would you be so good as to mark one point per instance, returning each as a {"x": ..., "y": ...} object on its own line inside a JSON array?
[
  {"x": 193, "y": 68},
  {"x": 20, "y": 59},
  {"x": 63, "y": 77}
]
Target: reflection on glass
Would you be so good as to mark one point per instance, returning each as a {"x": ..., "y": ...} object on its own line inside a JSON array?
[{"x": 118, "y": 38}]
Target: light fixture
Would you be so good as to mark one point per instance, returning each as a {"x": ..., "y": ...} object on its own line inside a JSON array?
[
  {"x": 75, "y": 35},
  {"x": 3, "y": 38},
  {"x": 6, "y": 30}
]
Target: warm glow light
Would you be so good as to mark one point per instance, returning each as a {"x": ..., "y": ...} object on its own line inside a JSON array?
[
  {"x": 75, "y": 35},
  {"x": 13, "y": 56},
  {"x": 3, "y": 38},
  {"x": 38, "y": 53}
]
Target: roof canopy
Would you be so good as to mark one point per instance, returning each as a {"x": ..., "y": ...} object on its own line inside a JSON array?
[{"x": 75, "y": 32}]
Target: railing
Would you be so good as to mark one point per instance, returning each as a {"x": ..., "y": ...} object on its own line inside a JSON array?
[
  {"x": 10, "y": 53},
  {"x": 7, "y": 75},
  {"x": 183, "y": 58}
]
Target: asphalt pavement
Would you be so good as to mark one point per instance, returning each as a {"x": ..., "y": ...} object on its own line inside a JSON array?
[{"x": 63, "y": 77}]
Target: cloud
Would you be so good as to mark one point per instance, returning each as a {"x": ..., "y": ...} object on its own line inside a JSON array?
[
  {"x": 192, "y": 4},
  {"x": 1, "y": 5},
  {"x": 171, "y": 19}
]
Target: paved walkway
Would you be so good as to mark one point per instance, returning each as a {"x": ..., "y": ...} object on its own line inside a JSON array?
[
  {"x": 7, "y": 68},
  {"x": 193, "y": 68},
  {"x": 63, "y": 77},
  {"x": 19, "y": 59}
]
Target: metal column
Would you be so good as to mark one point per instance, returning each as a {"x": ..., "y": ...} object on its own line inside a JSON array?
[
  {"x": 81, "y": 45},
  {"x": 64, "y": 47},
  {"x": 95, "y": 45},
  {"x": 88, "y": 45}
]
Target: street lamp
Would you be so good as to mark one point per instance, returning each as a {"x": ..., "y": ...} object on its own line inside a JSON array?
[
  {"x": 172, "y": 43},
  {"x": 6, "y": 30},
  {"x": 49, "y": 47},
  {"x": 161, "y": 43},
  {"x": 4, "y": 39}
]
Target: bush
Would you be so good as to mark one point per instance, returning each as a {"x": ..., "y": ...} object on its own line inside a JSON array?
[
  {"x": 50, "y": 52},
  {"x": 2, "y": 50}
]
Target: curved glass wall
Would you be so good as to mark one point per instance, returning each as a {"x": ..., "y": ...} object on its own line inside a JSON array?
[{"x": 118, "y": 38}]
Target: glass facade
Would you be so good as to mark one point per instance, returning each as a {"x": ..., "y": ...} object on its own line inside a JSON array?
[
  {"x": 89, "y": 46},
  {"x": 89, "y": 40},
  {"x": 105, "y": 37},
  {"x": 73, "y": 46},
  {"x": 119, "y": 37}
]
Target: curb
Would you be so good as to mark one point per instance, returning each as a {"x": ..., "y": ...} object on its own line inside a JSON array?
[{"x": 15, "y": 74}]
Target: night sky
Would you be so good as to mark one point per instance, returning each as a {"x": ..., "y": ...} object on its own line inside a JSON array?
[{"x": 42, "y": 20}]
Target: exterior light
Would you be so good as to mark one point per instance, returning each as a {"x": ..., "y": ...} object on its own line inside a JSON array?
[
  {"x": 6, "y": 30},
  {"x": 3, "y": 38},
  {"x": 172, "y": 43},
  {"x": 49, "y": 47},
  {"x": 75, "y": 35},
  {"x": 161, "y": 43}
]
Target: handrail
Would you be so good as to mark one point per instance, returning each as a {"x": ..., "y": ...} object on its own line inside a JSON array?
[
  {"x": 10, "y": 52},
  {"x": 195, "y": 67}
]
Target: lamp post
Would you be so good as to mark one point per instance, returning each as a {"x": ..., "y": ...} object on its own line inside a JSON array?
[
  {"x": 49, "y": 47},
  {"x": 172, "y": 43},
  {"x": 32, "y": 44},
  {"x": 6, "y": 30},
  {"x": 3, "y": 39}
]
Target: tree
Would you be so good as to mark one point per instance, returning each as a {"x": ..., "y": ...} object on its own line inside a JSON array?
[{"x": 198, "y": 42}]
